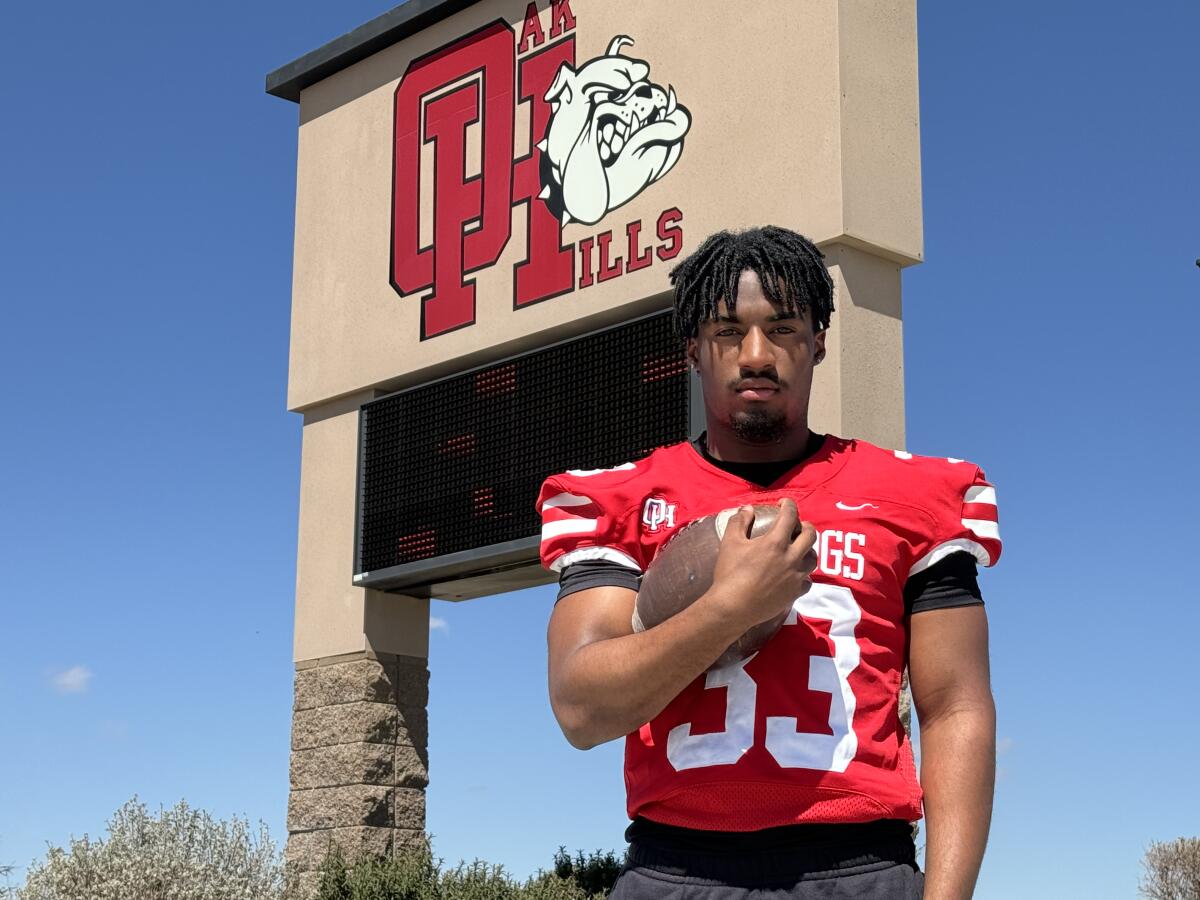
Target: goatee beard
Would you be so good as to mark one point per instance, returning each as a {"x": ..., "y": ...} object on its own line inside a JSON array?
[{"x": 759, "y": 426}]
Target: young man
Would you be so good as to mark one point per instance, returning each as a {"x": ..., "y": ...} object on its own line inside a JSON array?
[{"x": 789, "y": 769}]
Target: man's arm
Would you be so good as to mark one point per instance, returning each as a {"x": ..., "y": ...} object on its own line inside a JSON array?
[
  {"x": 606, "y": 681},
  {"x": 948, "y": 671}
]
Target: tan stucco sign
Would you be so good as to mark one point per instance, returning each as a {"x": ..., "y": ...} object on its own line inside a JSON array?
[{"x": 519, "y": 172}]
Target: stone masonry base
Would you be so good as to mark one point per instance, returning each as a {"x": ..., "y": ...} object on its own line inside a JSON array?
[{"x": 360, "y": 759}]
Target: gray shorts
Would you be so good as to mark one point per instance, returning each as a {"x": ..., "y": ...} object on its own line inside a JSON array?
[
  {"x": 872, "y": 881},
  {"x": 867, "y": 861}
]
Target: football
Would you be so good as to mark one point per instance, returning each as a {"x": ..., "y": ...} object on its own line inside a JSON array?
[{"x": 683, "y": 571}]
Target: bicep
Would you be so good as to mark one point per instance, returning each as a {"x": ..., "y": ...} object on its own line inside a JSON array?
[
  {"x": 585, "y": 617},
  {"x": 948, "y": 659}
]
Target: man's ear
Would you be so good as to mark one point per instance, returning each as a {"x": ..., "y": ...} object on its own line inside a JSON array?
[
  {"x": 819, "y": 347},
  {"x": 693, "y": 353}
]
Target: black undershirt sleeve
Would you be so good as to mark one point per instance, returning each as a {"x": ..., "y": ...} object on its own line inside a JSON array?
[
  {"x": 590, "y": 573},
  {"x": 950, "y": 582}
]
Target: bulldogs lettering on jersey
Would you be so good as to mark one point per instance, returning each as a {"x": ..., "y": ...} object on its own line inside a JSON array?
[{"x": 808, "y": 729}]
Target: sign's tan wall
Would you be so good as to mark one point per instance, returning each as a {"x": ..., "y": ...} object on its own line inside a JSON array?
[
  {"x": 804, "y": 114},
  {"x": 332, "y": 616},
  {"x": 880, "y": 128},
  {"x": 864, "y": 358}
]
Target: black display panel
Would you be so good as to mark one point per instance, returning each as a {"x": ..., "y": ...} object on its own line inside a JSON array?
[{"x": 449, "y": 472}]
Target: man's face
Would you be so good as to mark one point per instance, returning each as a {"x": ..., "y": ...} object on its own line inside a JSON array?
[{"x": 756, "y": 366}]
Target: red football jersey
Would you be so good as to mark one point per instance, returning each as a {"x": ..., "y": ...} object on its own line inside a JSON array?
[{"x": 807, "y": 729}]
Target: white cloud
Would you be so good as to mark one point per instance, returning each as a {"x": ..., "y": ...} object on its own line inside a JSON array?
[
  {"x": 1004, "y": 745},
  {"x": 74, "y": 680},
  {"x": 437, "y": 623}
]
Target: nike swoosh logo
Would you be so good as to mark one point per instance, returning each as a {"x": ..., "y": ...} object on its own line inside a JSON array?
[{"x": 842, "y": 506}]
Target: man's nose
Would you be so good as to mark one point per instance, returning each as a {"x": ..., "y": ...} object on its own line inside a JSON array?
[{"x": 756, "y": 351}]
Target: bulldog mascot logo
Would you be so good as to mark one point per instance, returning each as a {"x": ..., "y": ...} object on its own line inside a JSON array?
[
  {"x": 612, "y": 132},
  {"x": 599, "y": 133}
]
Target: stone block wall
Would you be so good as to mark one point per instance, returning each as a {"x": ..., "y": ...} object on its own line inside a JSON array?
[{"x": 360, "y": 758}]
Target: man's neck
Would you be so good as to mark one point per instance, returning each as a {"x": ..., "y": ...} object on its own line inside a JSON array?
[{"x": 728, "y": 447}]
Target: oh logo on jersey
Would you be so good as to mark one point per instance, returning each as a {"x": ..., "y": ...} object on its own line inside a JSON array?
[
  {"x": 658, "y": 514},
  {"x": 599, "y": 133}
]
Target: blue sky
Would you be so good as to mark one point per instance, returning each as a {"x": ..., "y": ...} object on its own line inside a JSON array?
[{"x": 149, "y": 470}]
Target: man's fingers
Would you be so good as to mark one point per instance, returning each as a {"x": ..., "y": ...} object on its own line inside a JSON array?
[
  {"x": 740, "y": 523},
  {"x": 806, "y": 539},
  {"x": 785, "y": 525},
  {"x": 745, "y": 521}
]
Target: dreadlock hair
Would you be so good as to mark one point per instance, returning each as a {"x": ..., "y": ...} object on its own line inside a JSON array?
[{"x": 789, "y": 265}]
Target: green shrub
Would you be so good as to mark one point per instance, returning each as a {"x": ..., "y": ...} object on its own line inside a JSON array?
[
  {"x": 412, "y": 876},
  {"x": 595, "y": 873},
  {"x": 415, "y": 875}
]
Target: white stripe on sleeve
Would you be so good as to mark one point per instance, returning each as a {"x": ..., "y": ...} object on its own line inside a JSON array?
[
  {"x": 941, "y": 551},
  {"x": 566, "y": 499},
  {"x": 980, "y": 493},
  {"x": 567, "y": 526},
  {"x": 588, "y": 473},
  {"x": 612, "y": 554},
  {"x": 984, "y": 528}
]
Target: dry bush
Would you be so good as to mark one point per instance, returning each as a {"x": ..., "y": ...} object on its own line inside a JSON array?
[
  {"x": 1172, "y": 870},
  {"x": 180, "y": 854}
]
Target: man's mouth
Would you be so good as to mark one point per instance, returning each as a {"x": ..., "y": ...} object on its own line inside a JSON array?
[{"x": 756, "y": 389}]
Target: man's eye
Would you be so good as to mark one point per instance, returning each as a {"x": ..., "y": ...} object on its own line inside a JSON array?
[
  {"x": 726, "y": 332},
  {"x": 784, "y": 329}
]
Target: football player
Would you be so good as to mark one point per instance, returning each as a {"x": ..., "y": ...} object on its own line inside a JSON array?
[{"x": 788, "y": 771}]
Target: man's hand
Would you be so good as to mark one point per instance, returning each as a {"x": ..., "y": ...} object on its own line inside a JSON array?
[
  {"x": 755, "y": 579},
  {"x": 948, "y": 670}
]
